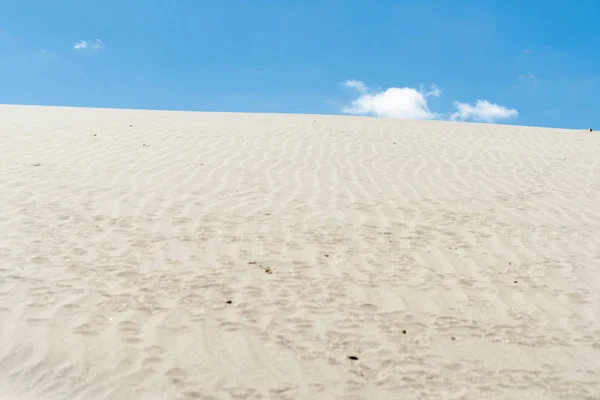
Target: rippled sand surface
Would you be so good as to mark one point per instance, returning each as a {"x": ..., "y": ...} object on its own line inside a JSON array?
[{"x": 176, "y": 255}]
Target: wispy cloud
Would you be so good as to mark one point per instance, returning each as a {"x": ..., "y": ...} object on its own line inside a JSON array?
[
  {"x": 435, "y": 91},
  {"x": 482, "y": 111},
  {"x": 545, "y": 52},
  {"x": 92, "y": 45},
  {"x": 411, "y": 103},
  {"x": 358, "y": 85},
  {"x": 528, "y": 78},
  {"x": 394, "y": 102}
]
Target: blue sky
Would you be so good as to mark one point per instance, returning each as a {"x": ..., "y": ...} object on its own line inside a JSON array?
[{"x": 529, "y": 63}]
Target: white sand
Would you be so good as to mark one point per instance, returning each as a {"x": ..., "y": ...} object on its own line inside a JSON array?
[{"x": 117, "y": 259}]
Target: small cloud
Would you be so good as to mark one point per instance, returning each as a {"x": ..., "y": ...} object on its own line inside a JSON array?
[
  {"x": 435, "y": 91},
  {"x": 354, "y": 84},
  {"x": 98, "y": 45},
  {"x": 394, "y": 102},
  {"x": 80, "y": 45},
  {"x": 482, "y": 111},
  {"x": 93, "y": 45}
]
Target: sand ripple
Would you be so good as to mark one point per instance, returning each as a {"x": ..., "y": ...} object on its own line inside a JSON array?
[{"x": 238, "y": 256}]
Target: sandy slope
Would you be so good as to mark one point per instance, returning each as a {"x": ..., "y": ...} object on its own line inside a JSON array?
[{"x": 453, "y": 260}]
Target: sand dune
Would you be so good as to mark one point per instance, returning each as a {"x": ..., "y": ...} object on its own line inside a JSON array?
[{"x": 176, "y": 255}]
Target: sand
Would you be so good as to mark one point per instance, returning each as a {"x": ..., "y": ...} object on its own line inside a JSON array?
[{"x": 179, "y": 255}]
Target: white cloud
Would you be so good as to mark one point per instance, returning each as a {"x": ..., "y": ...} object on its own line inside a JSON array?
[
  {"x": 94, "y": 45},
  {"x": 435, "y": 91},
  {"x": 411, "y": 103},
  {"x": 394, "y": 102},
  {"x": 358, "y": 85},
  {"x": 98, "y": 45},
  {"x": 80, "y": 45},
  {"x": 482, "y": 111}
]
